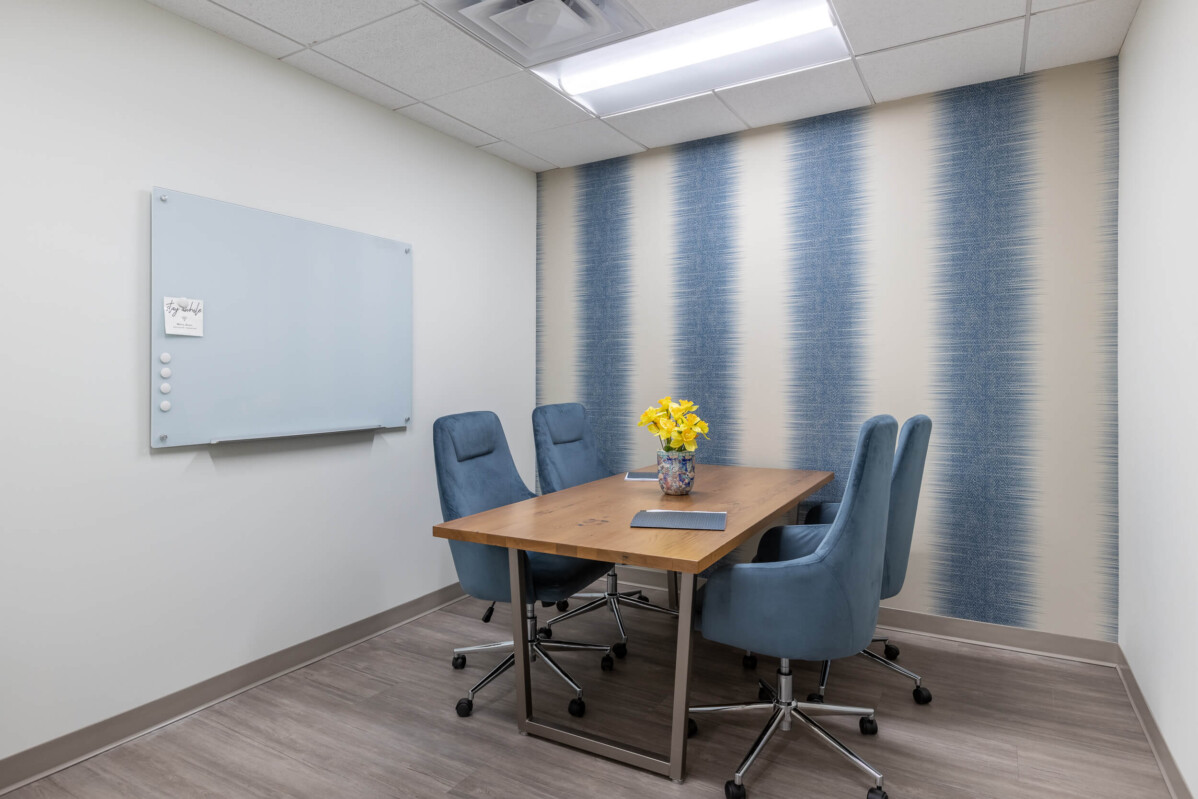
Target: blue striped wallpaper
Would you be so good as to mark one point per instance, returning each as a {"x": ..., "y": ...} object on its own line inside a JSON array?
[
  {"x": 604, "y": 348},
  {"x": 826, "y": 292},
  {"x": 1110, "y": 355},
  {"x": 799, "y": 295},
  {"x": 985, "y": 289},
  {"x": 704, "y": 282}
]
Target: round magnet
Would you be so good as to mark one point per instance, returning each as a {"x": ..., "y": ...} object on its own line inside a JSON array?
[
  {"x": 165, "y": 357},
  {"x": 165, "y": 405},
  {"x": 165, "y": 388},
  {"x": 165, "y": 371}
]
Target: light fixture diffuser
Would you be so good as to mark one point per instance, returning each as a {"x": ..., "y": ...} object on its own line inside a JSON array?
[{"x": 749, "y": 42}]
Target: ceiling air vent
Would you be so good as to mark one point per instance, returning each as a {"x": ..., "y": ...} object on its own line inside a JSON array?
[{"x": 535, "y": 31}]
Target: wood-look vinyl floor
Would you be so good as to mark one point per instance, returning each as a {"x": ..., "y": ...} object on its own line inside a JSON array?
[{"x": 377, "y": 720}]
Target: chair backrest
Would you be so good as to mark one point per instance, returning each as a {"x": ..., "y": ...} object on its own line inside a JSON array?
[
  {"x": 567, "y": 452},
  {"x": 905, "y": 480},
  {"x": 475, "y": 472},
  {"x": 855, "y": 547}
]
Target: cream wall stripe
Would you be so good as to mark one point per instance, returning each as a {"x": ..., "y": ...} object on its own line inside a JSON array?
[
  {"x": 559, "y": 274},
  {"x": 1069, "y": 105},
  {"x": 765, "y": 354},
  {"x": 652, "y": 303},
  {"x": 900, "y": 240}
]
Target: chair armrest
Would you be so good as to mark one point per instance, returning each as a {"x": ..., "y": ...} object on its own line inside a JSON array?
[
  {"x": 790, "y": 541},
  {"x": 824, "y": 513},
  {"x": 753, "y": 606}
]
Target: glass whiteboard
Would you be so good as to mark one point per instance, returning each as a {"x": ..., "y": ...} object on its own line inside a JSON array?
[{"x": 307, "y": 328}]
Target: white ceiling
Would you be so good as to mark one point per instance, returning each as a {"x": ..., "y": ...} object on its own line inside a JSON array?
[{"x": 403, "y": 55}]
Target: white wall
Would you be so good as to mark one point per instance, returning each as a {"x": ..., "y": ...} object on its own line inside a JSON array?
[
  {"x": 126, "y": 575},
  {"x": 1158, "y": 367}
]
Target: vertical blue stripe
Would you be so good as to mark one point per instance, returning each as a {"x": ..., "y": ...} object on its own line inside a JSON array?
[
  {"x": 984, "y": 288},
  {"x": 704, "y": 282},
  {"x": 540, "y": 387},
  {"x": 826, "y": 293},
  {"x": 1110, "y": 361},
  {"x": 604, "y": 354}
]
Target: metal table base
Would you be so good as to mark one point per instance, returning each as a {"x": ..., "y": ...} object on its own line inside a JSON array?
[{"x": 672, "y": 765}]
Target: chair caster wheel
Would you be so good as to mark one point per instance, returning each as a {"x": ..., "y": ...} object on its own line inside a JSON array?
[
  {"x": 815, "y": 699},
  {"x": 876, "y": 793},
  {"x": 749, "y": 662},
  {"x": 868, "y": 726},
  {"x": 607, "y": 664},
  {"x": 546, "y": 604},
  {"x": 464, "y": 707},
  {"x": 545, "y": 632},
  {"x": 891, "y": 652},
  {"x": 733, "y": 791},
  {"x": 563, "y": 605},
  {"x": 577, "y": 707},
  {"x": 620, "y": 650},
  {"x": 459, "y": 661},
  {"x": 922, "y": 695},
  {"x": 764, "y": 694},
  {"x": 692, "y": 729}
]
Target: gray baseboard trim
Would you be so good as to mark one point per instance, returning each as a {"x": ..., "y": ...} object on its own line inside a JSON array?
[
  {"x": 44, "y": 759},
  {"x": 1164, "y": 758},
  {"x": 978, "y": 632},
  {"x": 974, "y": 632}
]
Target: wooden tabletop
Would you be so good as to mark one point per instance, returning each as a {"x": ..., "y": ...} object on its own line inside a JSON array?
[{"x": 592, "y": 520}]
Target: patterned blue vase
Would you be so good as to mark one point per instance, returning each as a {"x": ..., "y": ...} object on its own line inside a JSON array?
[{"x": 675, "y": 472}]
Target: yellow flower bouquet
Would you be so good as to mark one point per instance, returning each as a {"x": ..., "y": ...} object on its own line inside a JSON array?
[{"x": 677, "y": 427}]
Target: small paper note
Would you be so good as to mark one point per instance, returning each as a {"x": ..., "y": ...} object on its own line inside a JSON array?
[{"x": 184, "y": 317}]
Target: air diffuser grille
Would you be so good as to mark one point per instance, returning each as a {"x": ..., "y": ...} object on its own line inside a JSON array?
[{"x": 536, "y": 31}]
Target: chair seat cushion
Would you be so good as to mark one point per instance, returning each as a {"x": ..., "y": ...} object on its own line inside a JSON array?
[
  {"x": 790, "y": 541},
  {"x": 557, "y": 577}
]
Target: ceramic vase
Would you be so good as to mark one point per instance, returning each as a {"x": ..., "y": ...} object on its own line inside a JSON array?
[{"x": 675, "y": 472}]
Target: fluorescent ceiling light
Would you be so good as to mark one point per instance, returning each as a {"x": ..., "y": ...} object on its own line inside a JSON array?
[{"x": 749, "y": 42}]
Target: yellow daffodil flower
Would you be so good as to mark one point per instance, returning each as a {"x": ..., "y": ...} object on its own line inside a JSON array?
[{"x": 675, "y": 424}]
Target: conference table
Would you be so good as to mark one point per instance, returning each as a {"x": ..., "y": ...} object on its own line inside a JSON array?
[{"x": 593, "y": 521}]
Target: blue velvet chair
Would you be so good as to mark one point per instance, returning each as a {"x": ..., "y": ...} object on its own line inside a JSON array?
[
  {"x": 818, "y": 605},
  {"x": 905, "y": 480},
  {"x": 568, "y": 455},
  {"x": 475, "y": 472}
]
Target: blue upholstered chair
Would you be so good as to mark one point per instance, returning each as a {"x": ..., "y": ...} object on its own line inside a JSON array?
[
  {"x": 475, "y": 472},
  {"x": 818, "y": 605},
  {"x": 905, "y": 480},
  {"x": 568, "y": 455}
]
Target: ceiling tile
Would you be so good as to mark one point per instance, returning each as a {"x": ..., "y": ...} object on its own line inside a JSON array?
[
  {"x": 1046, "y": 5},
  {"x": 339, "y": 75},
  {"x": 1078, "y": 33},
  {"x": 807, "y": 93},
  {"x": 877, "y": 24},
  {"x": 579, "y": 143},
  {"x": 664, "y": 13},
  {"x": 511, "y": 106},
  {"x": 226, "y": 23},
  {"x": 446, "y": 124},
  {"x": 311, "y": 21},
  {"x": 679, "y": 121},
  {"x": 510, "y": 152},
  {"x": 418, "y": 53},
  {"x": 971, "y": 57}
]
